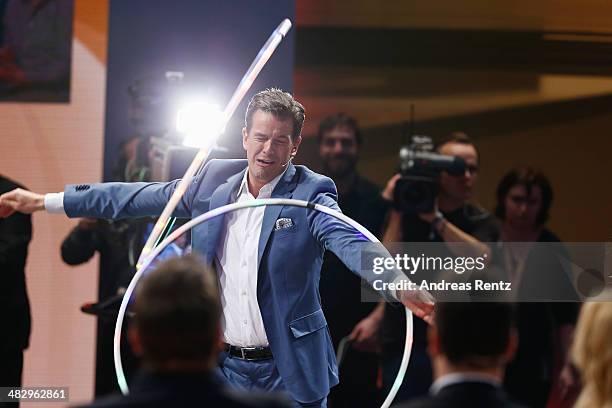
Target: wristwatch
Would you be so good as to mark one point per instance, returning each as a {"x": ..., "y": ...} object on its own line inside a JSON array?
[{"x": 437, "y": 221}]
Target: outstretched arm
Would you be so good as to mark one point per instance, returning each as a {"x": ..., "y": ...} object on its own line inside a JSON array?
[
  {"x": 350, "y": 246},
  {"x": 20, "y": 200},
  {"x": 105, "y": 200}
]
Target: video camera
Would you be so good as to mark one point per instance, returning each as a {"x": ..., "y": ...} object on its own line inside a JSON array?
[{"x": 416, "y": 191}]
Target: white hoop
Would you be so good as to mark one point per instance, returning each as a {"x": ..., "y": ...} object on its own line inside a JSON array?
[{"x": 234, "y": 207}]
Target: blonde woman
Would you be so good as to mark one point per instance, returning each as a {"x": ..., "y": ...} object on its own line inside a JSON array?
[{"x": 592, "y": 354}]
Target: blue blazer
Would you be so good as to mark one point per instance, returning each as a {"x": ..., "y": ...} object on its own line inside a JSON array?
[{"x": 289, "y": 259}]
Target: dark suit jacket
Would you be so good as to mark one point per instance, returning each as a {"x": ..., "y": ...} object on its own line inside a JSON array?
[
  {"x": 15, "y": 235},
  {"x": 469, "y": 394},
  {"x": 185, "y": 390}
]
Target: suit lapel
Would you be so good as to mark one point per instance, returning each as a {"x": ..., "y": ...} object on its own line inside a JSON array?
[
  {"x": 284, "y": 189},
  {"x": 220, "y": 197}
]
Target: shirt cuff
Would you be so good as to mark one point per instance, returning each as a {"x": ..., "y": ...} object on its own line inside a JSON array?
[{"x": 54, "y": 203}]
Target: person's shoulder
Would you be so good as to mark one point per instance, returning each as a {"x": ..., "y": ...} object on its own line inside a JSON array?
[
  {"x": 422, "y": 402},
  {"x": 160, "y": 397},
  {"x": 308, "y": 177},
  {"x": 114, "y": 401},
  {"x": 215, "y": 395},
  {"x": 477, "y": 213},
  {"x": 220, "y": 169},
  {"x": 306, "y": 173},
  {"x": 225, "y": 398},
  {"x": 366, "y": 187},
  {"x": 237, "y": 398},
  {"x": 449, "y": 401},
  {"x": 485, "y": 227}
]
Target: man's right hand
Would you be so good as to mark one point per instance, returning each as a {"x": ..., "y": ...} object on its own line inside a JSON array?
[
  {"x": 20, "y": 200},
  {"x": 420, "y": 302}
]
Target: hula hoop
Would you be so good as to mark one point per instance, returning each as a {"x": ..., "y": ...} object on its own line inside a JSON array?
[{"x": 234, "y": 207}]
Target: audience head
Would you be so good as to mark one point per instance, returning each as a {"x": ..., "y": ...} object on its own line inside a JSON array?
[
  {"x": 339, "y": 139},
  {"x": 592, "y": 354},
  {"x": 459, "y": 188},
  {"x": 472, "y": 336},
  {"x": 177, "y": 317},
  {"x": 524, "y": 197}
]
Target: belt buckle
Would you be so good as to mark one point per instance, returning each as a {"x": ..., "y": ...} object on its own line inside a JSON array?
[{"x": 244, "y": 357}]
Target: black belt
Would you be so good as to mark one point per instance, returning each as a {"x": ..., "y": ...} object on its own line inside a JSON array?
[{"x": 249, "y": 353}]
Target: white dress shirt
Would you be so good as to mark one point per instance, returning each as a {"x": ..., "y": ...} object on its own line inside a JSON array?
[{"x": 236, "y": 263}]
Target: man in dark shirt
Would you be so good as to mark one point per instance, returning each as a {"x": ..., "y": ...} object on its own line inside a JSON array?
[
  {"x": 118, "y": 243},
  {"x": 15, "y": 235},
  {"x": 456, "y": 221},
  {"x": 177, "y": 331},
  {"x": 468, "y": 361},
  {"x": 347, "y": 316}
]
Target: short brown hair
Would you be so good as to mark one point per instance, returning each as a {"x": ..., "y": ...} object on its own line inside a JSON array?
[
  {"x": 458, "y": 137},
  {"x": 177, "y": 311},
  {"x": 279, "y": 103},
  {"x": 461, "y": 339}
]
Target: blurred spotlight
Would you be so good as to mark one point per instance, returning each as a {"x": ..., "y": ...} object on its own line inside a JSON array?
[{"x": 201, "y": 122}]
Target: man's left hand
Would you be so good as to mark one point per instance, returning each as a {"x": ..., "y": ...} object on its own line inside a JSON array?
[{"x": 420, "y": 302}]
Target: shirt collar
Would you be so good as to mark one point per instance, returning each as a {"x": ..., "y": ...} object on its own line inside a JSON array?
[
  {"x": 455, "y": 378},
  {"x": 266, "y": 190}
]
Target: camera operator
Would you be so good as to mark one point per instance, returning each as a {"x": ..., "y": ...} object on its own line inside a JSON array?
[
  {"x": 118, "y": 244},
  {"x": 453, "y": 219}
]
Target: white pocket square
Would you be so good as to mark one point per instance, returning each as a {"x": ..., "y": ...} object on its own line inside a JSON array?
[{"x": 283, "y": 223}]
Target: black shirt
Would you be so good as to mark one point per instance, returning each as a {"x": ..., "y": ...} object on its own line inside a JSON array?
[
  {"x": 470, "y": 394},
  {"x": 340, "y": 289},
  {"x": 15, "y": 235},
  {"x": 528, "y": 376}
]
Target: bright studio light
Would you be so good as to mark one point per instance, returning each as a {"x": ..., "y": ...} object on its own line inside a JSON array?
[{"x": 201, "y": 122}]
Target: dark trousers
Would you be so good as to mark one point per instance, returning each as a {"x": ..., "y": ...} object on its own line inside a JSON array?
[{"x": 11, "y": 361}]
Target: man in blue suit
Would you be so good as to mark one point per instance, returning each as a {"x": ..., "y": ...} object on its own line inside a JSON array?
[{"x": 268, "y": 259}]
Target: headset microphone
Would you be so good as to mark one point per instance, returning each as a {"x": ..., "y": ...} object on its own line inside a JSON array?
[{"x": 290, "y": 158}]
